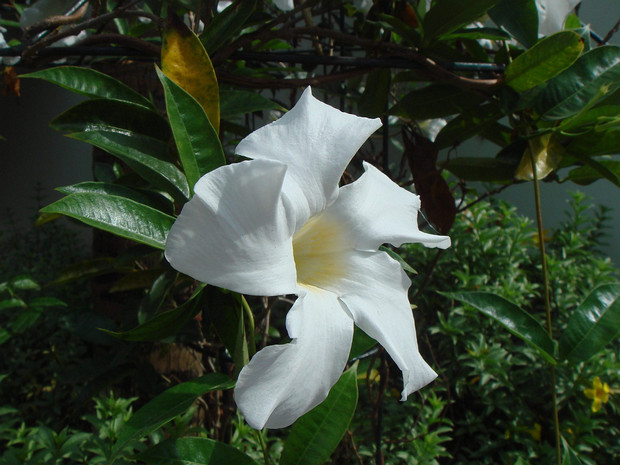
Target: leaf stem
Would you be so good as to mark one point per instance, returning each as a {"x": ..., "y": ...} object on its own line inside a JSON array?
[{"x": 543, "y": 258}]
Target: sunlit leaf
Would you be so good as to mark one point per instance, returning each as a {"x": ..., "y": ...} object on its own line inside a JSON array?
[
  {"x": 547, "y": 153},
  {"x": 185, "y": 61}
]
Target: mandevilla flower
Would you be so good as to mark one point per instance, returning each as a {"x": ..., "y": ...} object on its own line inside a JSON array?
[
  {"x": 279, "y": 224},
  {"x": 552, "y": 14}
]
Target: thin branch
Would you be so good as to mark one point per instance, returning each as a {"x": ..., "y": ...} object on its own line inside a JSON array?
[{"x": 611, "y": 32}]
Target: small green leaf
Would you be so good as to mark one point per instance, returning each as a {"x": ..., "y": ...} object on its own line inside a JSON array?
[
  {"x": 241, "y": 102},
  {"x": 24, "y": 283},
  {"x": 12, "y": 302},
  {"x": 570, "y": 457},
  {"x": 592, "y": 325},
  {"x": 166, "y": 406},
  {"x": 316, "y": 434},
  {"x": 595, "y": 74},
  {"x": 199, "y": 146},
  {"x": 85, "y": 270},
  {"x": 136, "y": 279},
  {"x": 155, "y": 297},
  {"x": 519, "y": 17},
  {"x": 543, "y": 61},
  {"x": 116, "y": 215},
  {"x": 91, "y": 83},
  {"x": 467, "y": 125},
  {"x": 435, "y": 101},
  {"x": 165, "y": 324},
  {"x": 194, "y": 451},
  {"x": 447, "y": 16},
  {"x": 146, "y": 156},
  {"x": 112, "y": 116},
  {"x": 25, "y": 319},
  {"x": 227, "y": 25},
  {"x": 399, "y": 259},
  {"x": 516, "y": 320},
  {"x": 46, "y": 302}
]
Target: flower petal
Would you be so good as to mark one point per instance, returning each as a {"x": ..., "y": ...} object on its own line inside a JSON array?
[
  {"x": 375, "y": 210},
  {"x": 552, "y": 14},
  {"x": 316, "y": 142},
  {"x": 233, "y": 233},
  {"x": 282, "y": 382},
  {"x": 376, "y": 295}
]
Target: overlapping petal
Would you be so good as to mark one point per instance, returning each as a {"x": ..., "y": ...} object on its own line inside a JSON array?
[
  {"x": 282, "y": 382},
  {"x": 234, "y": 232},
  {"x": 552, "y": 14},
  {"x": 316, "y": 142},
  {"x": 375, "y": 293},
  {"x": 375, "y": 211}
]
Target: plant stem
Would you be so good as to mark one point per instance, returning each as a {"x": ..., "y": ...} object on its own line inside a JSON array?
[
  {"x": 543, "y": 258},
  {"x": 263, "y": 446},
  {"x": 250, "y": 319}
]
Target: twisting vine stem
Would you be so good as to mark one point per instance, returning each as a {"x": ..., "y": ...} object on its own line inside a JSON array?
[{"x": 545, "y": 276}]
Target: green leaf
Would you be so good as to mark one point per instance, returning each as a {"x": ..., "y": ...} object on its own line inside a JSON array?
[
  {"x": 399, "y": 259},
  {"x": 595, "y": 170},
  {"x": 85, "y": 270},
  {"x": 481, "y": 169},
  {"x": 165, "y": 324},
  {"x": 13, "y": 302},
  {"x": 117, "y": 215},
  {"x": 372, "y": 101},
  {"x": 136, "y": 279},
  {"x": 570, "y": 457},
  {"x": 199, "y": 146},
  {"x": 543, "y": 61},
  {"x": 24, "y": 283},
  {"x": 227, "y": 25},
  {"x": 596, "y": 143},
  {"x": 467, "y": 125},
  {"x": 592, "y": 325},
  {"x": 361, "y": 344},
  {"x": 519, "y": 17},
  {"x": 166, "y": 406},
  {"x": 595, "y": 74},
  {"x": 4, "y": 335},
  {"x": 598, "y": 119},
  {"x": 316, "y": 434},
  {"x": 435, "y": 101},
  {"x": 26, "y": 319},
  {"x": 146, "y": 156},
  {"x": 155, "y": 297},
  {"x": 241, "y": 102},
  {"x": 91, "y": 83},
  {"x": 112, "y": 116},
  {"x": 46, "y": 302},
  {"x": 547, "y": 153},
  {"x": 226, "y": 316},
  {"x": 516, "y": 320},
  {"x": 194, "y": 451},
  {"x": 447, "y": 16}
]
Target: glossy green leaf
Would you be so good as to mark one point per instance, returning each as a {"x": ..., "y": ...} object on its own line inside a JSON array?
[
  {"x": 467, "y": 125},
  {"x": 155, "y": 297},
  {"x": 113, "y": 116},
  {"x": 481, "y": 169},
  {"x": 595, "y": 170},
  {"x": 435, "y": 101},
  {"x": 91, "y": 83},
  {"x": 227, "y": 25},
  {"x": 316, "y": 434},
  {"x": 117, "y": 215},
  {"x": 595, "y": 143},
  {"x": 194, "y": 451},
  {"x": 155, "y": 201},
  {"x": 199, "y": 146},
  {"x": 512, "y": 317},
  {"x": 543, "y": 61},
  {"x": 165, "y": 324},
  {"x": 519, "y": 17},
  {"x": 447, "y": 16},
  {"x": 241, "y": 102},
  {"x": 595, "y": 74},
  {"x": 598, "y": 119},
  {"x": 592, "y": 325},
  {"x": 146, "y": 156},
  {"x": 166, "y": 406}
]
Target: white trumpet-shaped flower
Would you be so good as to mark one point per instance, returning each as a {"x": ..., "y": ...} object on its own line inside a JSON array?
[
  {"x": 552, "y": 14},
  {"x": 279, "y": 224}
]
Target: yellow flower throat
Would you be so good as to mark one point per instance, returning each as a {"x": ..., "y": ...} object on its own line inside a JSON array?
[{"x": 319, "y": 251}]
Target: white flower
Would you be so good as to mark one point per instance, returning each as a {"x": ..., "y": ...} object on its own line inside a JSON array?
[
  {"x": 8, "y": 61},
  {"x": 552, "y": 14},
  {"x": 284, "y": 5},
  {"x": 279, "y": 224}
]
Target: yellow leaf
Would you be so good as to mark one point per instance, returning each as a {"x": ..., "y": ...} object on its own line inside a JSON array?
[
  {"x": 186, "y": 62},
  {"x": 547, "y": 152}
]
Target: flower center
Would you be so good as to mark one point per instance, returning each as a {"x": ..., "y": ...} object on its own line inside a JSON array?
[{"x": 319, "y": 251}]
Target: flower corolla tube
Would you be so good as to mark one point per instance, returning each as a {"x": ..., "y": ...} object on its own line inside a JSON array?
[{"x": 279, "y": 224}]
